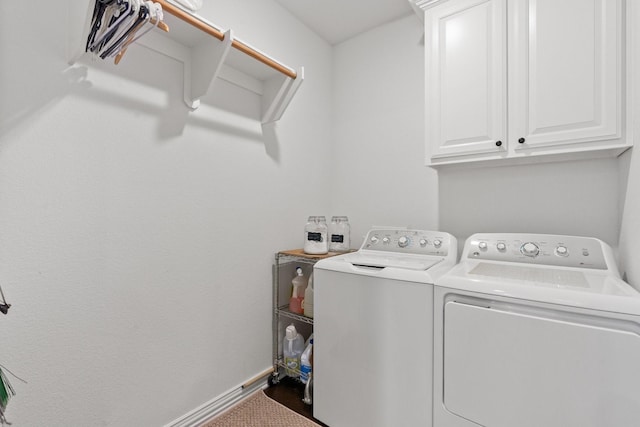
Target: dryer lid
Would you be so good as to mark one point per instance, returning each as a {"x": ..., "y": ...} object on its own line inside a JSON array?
[
  {"x": 544, "y": 276},
  {"x": 577, "y": 288}
]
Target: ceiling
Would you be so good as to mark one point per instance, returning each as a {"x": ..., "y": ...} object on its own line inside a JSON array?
[{"x": 338, "y": 20}]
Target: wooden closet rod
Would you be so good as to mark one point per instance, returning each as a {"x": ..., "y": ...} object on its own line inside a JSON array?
[{"x": 203, "y": 26}]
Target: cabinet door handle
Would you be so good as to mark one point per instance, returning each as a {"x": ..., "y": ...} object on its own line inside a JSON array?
[
  {"x": 498, "y": 143},
  {"x": 521, "y": 140}
]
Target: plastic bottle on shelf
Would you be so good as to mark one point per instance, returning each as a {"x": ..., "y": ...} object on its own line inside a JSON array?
[
  {"x": 292, "y": 349},
  {"x": 306, "y": 343},
  {"x": 299, "y": 286},
  {"x": 306, "y": 362},
  {"x": 307, "y": 303}
]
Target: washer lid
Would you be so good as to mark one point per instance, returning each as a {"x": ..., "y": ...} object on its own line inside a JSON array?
[{"x": 405, "y": 261}]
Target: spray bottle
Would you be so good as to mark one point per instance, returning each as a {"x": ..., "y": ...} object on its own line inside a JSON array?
[
  {"x": 299, "y": 286},
  {"x": 307, "y": 304}
]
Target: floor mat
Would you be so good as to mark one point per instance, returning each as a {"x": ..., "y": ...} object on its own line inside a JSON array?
[{"x": 258, "y": 410}]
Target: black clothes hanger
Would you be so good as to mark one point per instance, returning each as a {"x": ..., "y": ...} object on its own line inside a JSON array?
[
  {"x": 143, "y": 16},
  {"x": 4, "y": 305}
]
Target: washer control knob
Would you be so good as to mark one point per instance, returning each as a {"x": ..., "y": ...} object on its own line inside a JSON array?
[
  {"x": 562, "y": 251},
  {"x": 482, "y": 245},
  {"x": 374, "y": 240},
  {"x": 403, "y": 241},
  {"x": 437, "y": 243},
  {"x": 423, "y": 242},
  {"x": 501, "y": 246},
  {"x": 386, "y": 240},
  {"x": 530, "y": 249}
]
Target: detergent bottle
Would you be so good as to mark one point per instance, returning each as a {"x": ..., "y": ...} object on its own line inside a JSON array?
[
  {"x": 292, "y": 348},
  {"x": 306, "y": 361}
]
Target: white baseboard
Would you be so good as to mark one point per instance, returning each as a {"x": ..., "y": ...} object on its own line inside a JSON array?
[{"x": 217, "y": 405}]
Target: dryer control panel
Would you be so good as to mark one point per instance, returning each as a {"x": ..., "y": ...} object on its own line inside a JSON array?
[
  {"x": 400, "y": 240},
  {"x": 543, "y": 249}
]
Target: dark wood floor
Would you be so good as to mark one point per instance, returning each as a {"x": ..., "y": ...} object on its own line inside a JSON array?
[{"x": 290, "y": 392}]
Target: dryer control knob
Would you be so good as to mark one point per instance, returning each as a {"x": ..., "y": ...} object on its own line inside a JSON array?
[
  {"x": 423, "y": 242},
  {"x": 374, "y": 239},
  {"x": 530, "y": 249},
  {"x": 562, "y": 251},
  {"x": 501, "y": 246},
  {"x": 386, "y": 240},
  {"x": 403, "y": 241},
  {"x": 437, "y": 243},
  {"x": 482, "y": 245}
]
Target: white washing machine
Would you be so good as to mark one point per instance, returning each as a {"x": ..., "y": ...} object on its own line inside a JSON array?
[
  {"x": 373, "y": 329},
  {"x": 536, "y": 331}
]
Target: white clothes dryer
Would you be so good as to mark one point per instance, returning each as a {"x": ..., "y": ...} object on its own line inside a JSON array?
[
  {"x": 536, "y": 331},
  {"x": 373, "y": 329}
]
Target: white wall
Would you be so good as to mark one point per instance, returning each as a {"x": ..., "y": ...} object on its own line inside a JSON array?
[
  {"x": 378, "y": 171},
  {"x": 137, "y": 237},
  {"x": 378, "y": 163},
  {"x": 630, "y": 228},
  {"x": 629, "y": 165},
  {"x": 574, "y": 198}
]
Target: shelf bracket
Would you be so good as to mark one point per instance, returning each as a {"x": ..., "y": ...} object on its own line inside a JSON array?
[
  {"x": 204, "y": 66},
  {"x": 276, "y": 98},
  {"x": 201, "y": 64}
]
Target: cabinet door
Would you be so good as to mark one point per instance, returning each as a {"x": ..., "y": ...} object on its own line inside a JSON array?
[
  {"x": 564, "y": 73},
  {"x": 465, "y": 67}
]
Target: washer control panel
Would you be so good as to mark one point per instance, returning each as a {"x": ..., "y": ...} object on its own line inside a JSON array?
[
  {"x": 564, "y": 251},
  {"x": 402, "y": 240}
]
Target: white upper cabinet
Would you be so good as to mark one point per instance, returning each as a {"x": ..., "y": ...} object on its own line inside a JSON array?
[
  {"x": 565, "y": 72},
  {"x": 466, "y": 95},
  {"x": 539, "y": 80}
]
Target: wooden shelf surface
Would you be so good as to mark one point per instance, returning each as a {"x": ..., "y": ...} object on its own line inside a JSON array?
[{"x": 302, "y": 254}]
